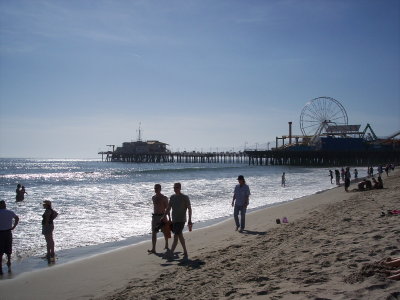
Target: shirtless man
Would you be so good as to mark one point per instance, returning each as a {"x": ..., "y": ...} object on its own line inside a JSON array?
[{"x": 160, "y": 204}]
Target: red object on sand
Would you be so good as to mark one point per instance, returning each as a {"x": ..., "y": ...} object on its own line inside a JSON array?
[{"x": 167, "y": 229}]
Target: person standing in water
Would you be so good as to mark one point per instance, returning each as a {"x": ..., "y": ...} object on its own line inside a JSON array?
[
  {"x": 331, "y": 175},
  {"x": 6, "y": 228},
  {"x": 47, "y": 228}
]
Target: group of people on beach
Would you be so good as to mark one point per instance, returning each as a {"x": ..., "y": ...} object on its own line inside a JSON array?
[
  {"x": 179, "y": 205},
  {"x": 9, "y": 220},
  {"x": 365, "y": 183},
  {"x": 168, "y": 215}
]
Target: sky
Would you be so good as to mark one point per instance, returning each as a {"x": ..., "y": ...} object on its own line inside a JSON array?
[{"x": 199, "y": 75}]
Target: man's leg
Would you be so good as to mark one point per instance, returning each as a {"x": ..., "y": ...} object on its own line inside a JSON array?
[
  {"x": 52, "y": 254},
  {"x": 236, "y": 216},
  {"x": 174, "y": 243},
  {"x": 182, "y": 240},
  {"x": 242, "y": 218},
  {"x": 166, "y": 242},
  {"x": 50, "y": 245},
  {"x": 1, "y": 263},
  {"x": 47, "y": 238},
  {"x": 153, "y": 241},
  {"x": 9, "y": 262}
]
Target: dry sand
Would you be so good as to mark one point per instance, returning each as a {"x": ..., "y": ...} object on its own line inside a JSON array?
[{"x": 328, "y": 250}]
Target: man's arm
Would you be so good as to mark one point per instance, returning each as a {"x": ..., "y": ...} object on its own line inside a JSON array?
[
  {"x": 16, "y": 220},
  {"x": 167, "y": 213},
  {"x": 246, "y": 203},
  {"x": 190, "y": 214}
]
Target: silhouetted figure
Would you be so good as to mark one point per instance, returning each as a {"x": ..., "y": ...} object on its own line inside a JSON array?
[
  {"x": 47, "y": 228},
  {"x": 6, "y": 227}
]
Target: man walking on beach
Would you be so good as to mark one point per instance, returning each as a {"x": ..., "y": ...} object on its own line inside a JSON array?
[
  {"x": 6, "y": 226},
  {"x": 241, "y": 196},
  {"x": 160, "y": 204},
  {"x": 179, "y": 203}
]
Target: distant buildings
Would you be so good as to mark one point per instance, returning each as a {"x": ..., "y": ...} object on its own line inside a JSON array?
[{"x": 140, "y": 147}]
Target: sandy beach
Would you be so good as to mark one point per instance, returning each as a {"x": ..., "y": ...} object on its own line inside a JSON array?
[{"x": 330, "y": 249}]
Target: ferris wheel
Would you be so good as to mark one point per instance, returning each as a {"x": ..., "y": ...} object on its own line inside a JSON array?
[{"x": 319, "y": 113}]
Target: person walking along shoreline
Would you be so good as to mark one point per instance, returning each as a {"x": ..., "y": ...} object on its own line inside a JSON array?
[
  {"x": 240, "y": 202},
  {"x": 180, "y": 204},
  {"x": 160, "y": 204}
]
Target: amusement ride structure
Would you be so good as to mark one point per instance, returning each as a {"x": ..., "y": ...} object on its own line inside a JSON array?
[{"x": 326, "y": 117}]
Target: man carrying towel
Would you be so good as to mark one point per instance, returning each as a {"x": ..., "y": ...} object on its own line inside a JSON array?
[
  {"x": 6, "y": 226},
  {"x": 160, "y": 204},
  {"x": 241, "y": 196}
]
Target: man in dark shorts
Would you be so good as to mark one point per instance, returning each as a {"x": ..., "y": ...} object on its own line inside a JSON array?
[
  {"x": 160, "y": 204},
  {"x": 179, "y": 203},
  {"x": 6, "y": 226}
]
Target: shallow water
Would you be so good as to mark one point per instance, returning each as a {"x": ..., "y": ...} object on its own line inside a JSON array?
[{"x": 109, "y": 203}]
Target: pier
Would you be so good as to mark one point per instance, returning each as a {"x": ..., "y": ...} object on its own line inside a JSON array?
[
  {"x": 265, "y": 157},
  {"x": 324, "y": 158},
  {"x": 176, "y": 157}
]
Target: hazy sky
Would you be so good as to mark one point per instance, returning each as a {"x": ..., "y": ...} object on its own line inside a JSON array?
[{"x": 197, "y": 74}]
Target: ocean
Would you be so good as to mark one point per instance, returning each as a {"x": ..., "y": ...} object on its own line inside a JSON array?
[{"x": 105, "y": 205}]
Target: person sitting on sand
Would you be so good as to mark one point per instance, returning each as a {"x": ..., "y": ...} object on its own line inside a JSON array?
[
  {"x": 160, "y": 204},
  {"x": 380, "y": 181},
  {"x": 377, "y": 184},
  {"x": 365, "y": 185}
]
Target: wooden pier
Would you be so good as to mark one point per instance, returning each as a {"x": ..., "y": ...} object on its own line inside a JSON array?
[
  {"x": 324, "y": 158},
  {"x": 271, "y": 157},
  {"x": 176, "y": 157}
]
